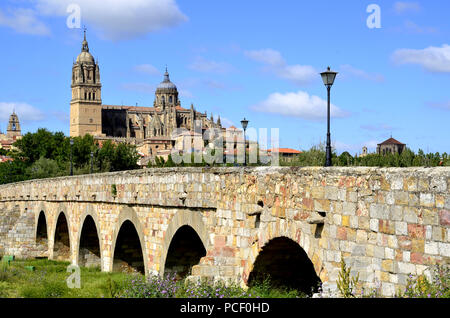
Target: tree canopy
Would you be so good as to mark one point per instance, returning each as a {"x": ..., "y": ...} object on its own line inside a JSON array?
[{"x": 46, "y": 154}]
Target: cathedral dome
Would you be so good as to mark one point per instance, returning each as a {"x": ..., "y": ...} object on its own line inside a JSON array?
[
  {"x": 85, "y": 58},
  {"x": 166, "y": 83}
]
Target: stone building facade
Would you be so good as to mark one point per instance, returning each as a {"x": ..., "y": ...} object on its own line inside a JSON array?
[
  {"x": 149, "y": 128},
  {"x": 13, "y": 132},
  {"x": 391, "y": 146}
]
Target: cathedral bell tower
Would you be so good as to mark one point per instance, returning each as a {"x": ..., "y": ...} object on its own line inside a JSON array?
[
  {"x": 86, "y": 103},
  {"x": 13, "y": 130}
]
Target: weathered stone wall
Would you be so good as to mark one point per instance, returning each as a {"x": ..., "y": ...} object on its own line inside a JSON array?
[{"x": 386, "y": 223}]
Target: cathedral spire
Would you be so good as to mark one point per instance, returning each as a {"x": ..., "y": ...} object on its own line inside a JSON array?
[
  {"x": 84, "y": 44},
  {"x": 166, "y": 76}
]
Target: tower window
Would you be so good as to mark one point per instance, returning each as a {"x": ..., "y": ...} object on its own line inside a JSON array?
[
  {"x": 85, "y": 95},
  {"x": 89, "y": 96},
  {"x": 170, "y": 99},
  {"x": 93, "y": 96}
]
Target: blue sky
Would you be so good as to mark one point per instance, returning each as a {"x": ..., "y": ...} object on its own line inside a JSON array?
[{"x": 255, "y": 59}]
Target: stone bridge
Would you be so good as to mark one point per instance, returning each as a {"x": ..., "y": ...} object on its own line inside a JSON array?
[{"x": 238, "y": 224}]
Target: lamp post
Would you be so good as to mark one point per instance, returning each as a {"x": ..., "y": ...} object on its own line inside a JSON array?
[
  {"x": 92, "y": 162},
  {"x": 328, "y": 79},
  {"x": 244, "y": 123},
  {"x": 71, "y": 157}
]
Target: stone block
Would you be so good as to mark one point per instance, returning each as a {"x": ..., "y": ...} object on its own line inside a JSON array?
[
  {"x": 406, "y": 268},
  {"x": 444, "y": 249},
  {"x": 416, "y": 231},
  {"x": 387, "y": 265},
  {"x": 444, "y": 218},
  {"x": 401, "y": 198},
  {"x": 410, "y": 215},
  {"x": 418, "y": 245},
  {"x": 396, "y": 213},
  {"x": 346, "y": 220},
  {"x": 379, "y": 211},
  {"x": 342, "y": 233},
  {"x": 410, "y": 184},
  {"x": 374, "y": 223},
  {"x": 401, "y": 228},
  {"x": 438, "y": 184},
  {"x": 389, "y": 253},
  {"x": 431, "y": 248},
  {"x": 359, "y": 250},
  {"x": 348, "y": 208},
  {"x": 427, "y": 199}
]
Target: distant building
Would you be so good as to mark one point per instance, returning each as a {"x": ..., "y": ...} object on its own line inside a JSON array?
[
  {"x": 364, "y": 152},
  {"x": 13, "y": 133},
  {"x": 390, "y": 146},
  {"x": 287, "y": 154}
]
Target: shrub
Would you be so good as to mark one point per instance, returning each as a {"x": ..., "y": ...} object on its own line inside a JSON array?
[
  {"x": 421, "y": 287},
  {"x": 152, "y": 287},
  {"x": 346, "y": 284}
]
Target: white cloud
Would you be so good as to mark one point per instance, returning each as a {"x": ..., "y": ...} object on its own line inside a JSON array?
[
  {"x": 24, "y": 21},
  {"x": 432, "y": 59},
  {"x": 406, "y": 6},
  {"x": 147, "y": 69},
  {"x": 24, "y": 111},
  {"x": 266, "y": 56},
  {"x": 117, "y": 19},
  {"x": 412, "y": 27},
  {"x": 208, "y": 66},
  {"x": 350, "y": 71},
  {"x": 440, "y": 105},
  {"x": 275, "y": 63},
  {"x": 299, "y": 104},
  {"x": 298, "y": 73}
]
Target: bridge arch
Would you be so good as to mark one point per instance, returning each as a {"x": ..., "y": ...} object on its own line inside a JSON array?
[
  {"x": 184, "y": 224},
  {"x": 62, "y": 239},
  {"x": 284, "y": 252},
  {"x": 129, "y": 230},
  {"x": 89, "y": 249},
  {"x": 41, "y": 233}
]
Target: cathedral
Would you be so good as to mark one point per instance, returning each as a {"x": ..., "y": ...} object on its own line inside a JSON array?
[{"x": 149, "y": 128}]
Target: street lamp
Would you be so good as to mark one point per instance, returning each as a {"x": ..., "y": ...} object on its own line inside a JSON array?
[
  {"x": 71, "y": 157},
  {"x": 92, "y": 162},
  {"x": 328, "y": 79},
  {"x": 244, "y": 123}
]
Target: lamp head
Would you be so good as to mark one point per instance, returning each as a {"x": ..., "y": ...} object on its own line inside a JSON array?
[
  {"x": 244, "y": 123},
  {"x": 328, "y": 77}
]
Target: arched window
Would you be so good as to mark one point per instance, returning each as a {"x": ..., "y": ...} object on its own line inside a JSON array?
[
  {"x": 93, "y": 96},
  {"x": 89, "y": 95},
  {"x": 170, "y": 99},
  {"x": 163, "y": 99},
  {"x": 85, "y": 95}
]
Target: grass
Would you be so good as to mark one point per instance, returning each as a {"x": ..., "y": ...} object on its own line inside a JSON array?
[{"x": 48, "y": 280}]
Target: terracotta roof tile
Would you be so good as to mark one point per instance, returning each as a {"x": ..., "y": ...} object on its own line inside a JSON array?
[
  {"x": 391, "y": 141},
  {"x": 285, "y": 150}
]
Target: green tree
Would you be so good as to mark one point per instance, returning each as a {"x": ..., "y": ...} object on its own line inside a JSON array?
[
  {"x": 43, "y": 168},
  {"x": 42, "y": 143}
]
